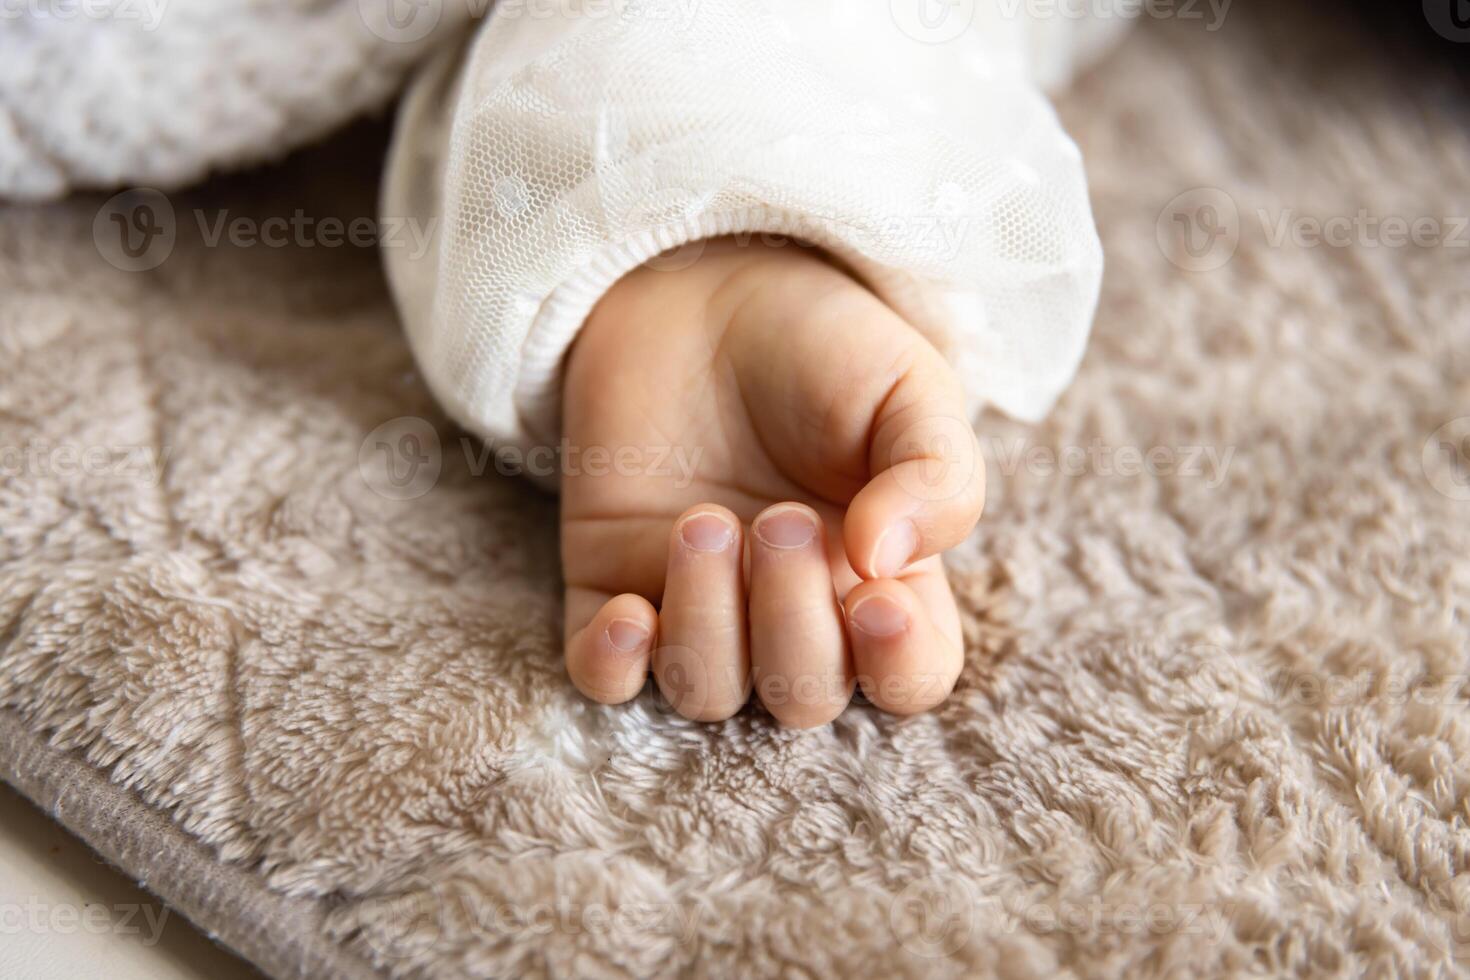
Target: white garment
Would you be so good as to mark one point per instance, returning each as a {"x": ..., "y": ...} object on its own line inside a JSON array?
[{"x": 575, "y": 139}]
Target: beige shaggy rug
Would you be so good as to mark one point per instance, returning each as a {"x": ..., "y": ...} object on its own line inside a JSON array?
[{"x": 1214, "y": 714}]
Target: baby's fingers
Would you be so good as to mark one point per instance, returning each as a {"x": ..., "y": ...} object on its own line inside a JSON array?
[
  {"x": 905, "y": 640},
  {"x": 702, "y": 662},
  {"x": 928, "y": 484},
  {"x": 608, "y": 658},
  {"x": 798, "y": 648}
]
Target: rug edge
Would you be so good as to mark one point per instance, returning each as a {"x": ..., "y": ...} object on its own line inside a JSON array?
[{"x": 280, "y": 935}]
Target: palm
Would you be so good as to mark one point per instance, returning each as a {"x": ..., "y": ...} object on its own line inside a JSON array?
[
  {"x": 695, "y": 407},
  {"x": 753, "y": 378}
]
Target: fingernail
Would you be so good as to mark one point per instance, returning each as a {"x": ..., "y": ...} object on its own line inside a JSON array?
[
  {"x": 626, "y": 635},
  {"x": 896, "y": 546},
  {"x": 790, "y": 528},
  {"x": 707, "y": 532},
  {"x": 878, "y": 615}
]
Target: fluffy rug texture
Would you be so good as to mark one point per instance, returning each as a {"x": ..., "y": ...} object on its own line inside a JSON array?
[{"x": 1214, "y": 714}]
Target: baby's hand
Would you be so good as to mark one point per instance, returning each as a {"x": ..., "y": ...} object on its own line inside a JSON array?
[{"x": 807, "y": 409}]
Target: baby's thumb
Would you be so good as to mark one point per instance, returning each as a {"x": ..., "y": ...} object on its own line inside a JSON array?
[{"x": 927, "y": 485}]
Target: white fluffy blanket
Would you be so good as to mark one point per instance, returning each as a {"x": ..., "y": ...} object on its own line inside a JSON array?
[{"x": 104, "y": 93}]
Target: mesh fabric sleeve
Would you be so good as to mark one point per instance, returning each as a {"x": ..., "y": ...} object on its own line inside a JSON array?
[{"x": 554, "y": 154}]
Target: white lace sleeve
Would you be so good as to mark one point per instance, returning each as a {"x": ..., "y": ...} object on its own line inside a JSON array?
[{"x": 560, "y": 152}]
